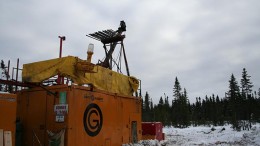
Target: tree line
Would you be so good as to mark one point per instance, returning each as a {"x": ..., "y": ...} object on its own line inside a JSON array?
[{"x": 240, "y": 106}]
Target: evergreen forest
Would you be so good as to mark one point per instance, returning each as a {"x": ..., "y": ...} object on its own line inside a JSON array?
[{"x": 240, "y": 106}]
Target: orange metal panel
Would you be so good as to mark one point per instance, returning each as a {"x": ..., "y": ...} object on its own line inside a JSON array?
[
  {"x": 8, "y": 104},
  {"x": 35, "y": 110},
  {"x": 148, "y": 137},
  {"x": 95, "y": 118},
  {"x": 32, "y": 113}
]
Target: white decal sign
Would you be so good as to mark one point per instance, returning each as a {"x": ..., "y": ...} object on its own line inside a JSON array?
[
  {"x": 59, "y": 118},
  {"x": 61, "y": 109}
]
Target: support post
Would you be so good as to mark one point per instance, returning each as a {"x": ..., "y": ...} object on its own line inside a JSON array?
[
  {"x": 60, "y": 79},
  {"x": 16, "y": 79},
  {"x": 126, "y": 64}
]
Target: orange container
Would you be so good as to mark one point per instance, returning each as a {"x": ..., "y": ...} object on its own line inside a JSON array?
[
  {"x": 89, "y": 117},
  {"x": 8, "y": 104}
]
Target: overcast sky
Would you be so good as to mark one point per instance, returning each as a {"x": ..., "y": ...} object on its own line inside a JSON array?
[{"x": 202, "y": 42}]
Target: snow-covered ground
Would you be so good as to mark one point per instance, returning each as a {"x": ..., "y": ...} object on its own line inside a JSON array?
[
  {"x": 204, "y": 136},
  {"x": 4, "y": 92}
]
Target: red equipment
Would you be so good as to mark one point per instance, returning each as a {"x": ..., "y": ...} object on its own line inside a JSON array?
[{"x": 152, "y": 130}]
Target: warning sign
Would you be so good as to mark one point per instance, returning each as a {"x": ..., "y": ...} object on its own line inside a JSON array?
[
  {"x": 59, "y": 118},
  {"x": 61, "y": 109}
]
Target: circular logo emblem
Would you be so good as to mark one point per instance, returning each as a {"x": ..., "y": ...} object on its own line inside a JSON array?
[{"x": 93, "y": 119}]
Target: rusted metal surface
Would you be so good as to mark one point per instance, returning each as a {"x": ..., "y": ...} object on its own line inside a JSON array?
[
  {"x": 17, "y": 83},
  {"x": 85, "y": 66},
  {"x": 60, "y": 79}
]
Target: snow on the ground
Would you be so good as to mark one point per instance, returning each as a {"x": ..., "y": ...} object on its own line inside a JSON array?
[
  {"x": 4, "y": 92},
  {"x": 204, "y": 136}
]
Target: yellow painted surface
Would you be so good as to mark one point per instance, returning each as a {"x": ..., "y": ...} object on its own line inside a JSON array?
[{"x": 101, "y": 78}]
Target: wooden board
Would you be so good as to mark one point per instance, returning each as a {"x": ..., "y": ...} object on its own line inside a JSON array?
[
  {"x": 8, "y": 138},
  {"x": 1, "y": 137}
]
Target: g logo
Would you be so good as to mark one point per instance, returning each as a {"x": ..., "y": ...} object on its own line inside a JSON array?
[{"x": 93, "y": 119}]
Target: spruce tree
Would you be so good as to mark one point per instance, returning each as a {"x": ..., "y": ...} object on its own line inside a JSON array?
[
  {"x": 177, "y": 89},
  {"x": 246, "y": 87},
  {"x": 207, "y": 110},
  {"x": 167, "y": 111},
  {"x": 180, "y": 108},
  {"x": 159, "y": 113},
  {"x": 174, "y": 112},
  {"x": 146, "y": 108},
  {"x": 197, "y": 112},
  {"x": 184, "y": 109},
  {"x": 246, "y": 84},
  {"x": 146, "y": 102},
  {"x": 258, "y": 107},
  {"x": 175, "y": 115},
  {"x": 233, "y": 95},
  {"x": 219, "y": 111}
]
